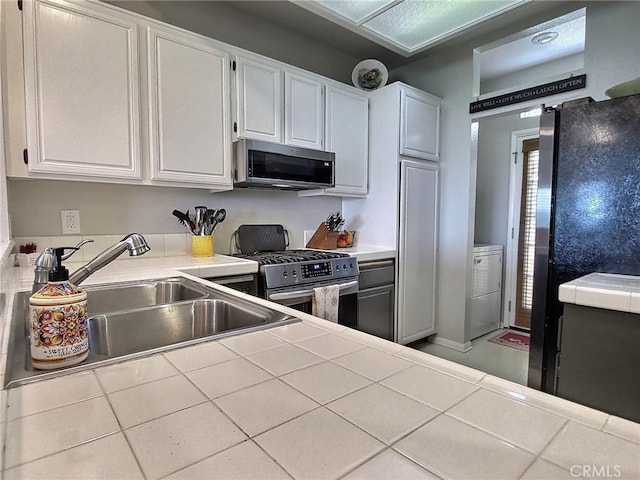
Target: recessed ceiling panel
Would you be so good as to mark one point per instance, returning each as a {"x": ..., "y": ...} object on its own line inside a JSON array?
[
  {"x": 355, "y": 10},
  {"x": 521, "y": 53},
  {"x": 414, "y": 24}
]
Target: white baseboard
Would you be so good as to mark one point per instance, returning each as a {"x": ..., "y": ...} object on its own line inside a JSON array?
[{"x": 457, "y": 346}]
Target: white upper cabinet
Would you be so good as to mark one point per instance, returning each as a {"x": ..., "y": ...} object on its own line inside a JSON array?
[
  {"x": 347, "y": 134},
  {"x": 304, "y": 111},
  {"x": 259, "y": 100},
  {"x": 278, "y": 105},
  {"x": 189, "y": 127},
  {"x": 419, "y": 125},
  {"x": 82, "y": 90}
]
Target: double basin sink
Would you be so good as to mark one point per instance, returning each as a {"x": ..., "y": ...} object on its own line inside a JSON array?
[{"x": 133, "y": 319}]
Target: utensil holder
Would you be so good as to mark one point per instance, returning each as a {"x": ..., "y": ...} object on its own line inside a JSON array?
[
  {"x": 323, "y": 238},
  {"x": 202, "y": 245}
]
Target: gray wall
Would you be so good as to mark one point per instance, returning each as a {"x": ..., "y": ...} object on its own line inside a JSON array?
[
  {"x": 611, "y": 56},
  {"x": 233, "y": 26},
  {"x": 115, "y": 209},
  {"x": 493, "y": 175},
  {"x": 551, "y": 70}
]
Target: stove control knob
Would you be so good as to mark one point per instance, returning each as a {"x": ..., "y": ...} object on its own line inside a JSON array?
[{"x": 284, "y": 274}]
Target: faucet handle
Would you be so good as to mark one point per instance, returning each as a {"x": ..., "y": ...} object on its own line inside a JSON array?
[{"x": 75, "y": 249}]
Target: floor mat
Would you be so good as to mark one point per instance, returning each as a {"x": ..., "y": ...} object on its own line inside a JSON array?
[{"x": 512, "y": 339}]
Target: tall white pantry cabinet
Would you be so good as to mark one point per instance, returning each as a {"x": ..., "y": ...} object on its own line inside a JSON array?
[{"x": 401, "y": 210}]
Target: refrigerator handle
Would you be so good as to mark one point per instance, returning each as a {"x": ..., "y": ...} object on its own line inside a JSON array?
[
  {"x": 556, "y": 374},
  {"x": 559, "y": 337}
]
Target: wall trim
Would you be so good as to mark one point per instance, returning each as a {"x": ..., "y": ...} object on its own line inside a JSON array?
[{"x": 457, "y": 346}]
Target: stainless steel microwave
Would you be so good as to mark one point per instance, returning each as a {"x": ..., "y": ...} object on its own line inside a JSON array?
[{"x": 272, "y": 165}]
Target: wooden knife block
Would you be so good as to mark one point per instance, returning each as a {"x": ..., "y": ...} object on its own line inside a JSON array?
[{"x": 323, "y": 239}]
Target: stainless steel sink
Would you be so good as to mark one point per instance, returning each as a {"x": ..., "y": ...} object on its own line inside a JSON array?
[
  {"x": 112, "y": 334},
  {"x": 128, "y": 296},
  {"x": 134, "y": 319}
]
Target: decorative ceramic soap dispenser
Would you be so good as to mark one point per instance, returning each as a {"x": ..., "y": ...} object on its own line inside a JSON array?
[{"x": 58, "y": 320}]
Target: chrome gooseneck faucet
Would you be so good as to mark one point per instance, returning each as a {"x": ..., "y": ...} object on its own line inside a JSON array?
[{"x": 134, "y": 242}]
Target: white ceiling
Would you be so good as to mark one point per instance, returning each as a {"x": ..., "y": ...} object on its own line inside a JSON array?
[
  {"x": 518, "y": 52},
  {"x": 337, "y": 32},
  {"x": 408, "y": 26}
]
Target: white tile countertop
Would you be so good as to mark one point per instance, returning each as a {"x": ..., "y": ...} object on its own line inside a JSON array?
[
  {"x": 311, "y": 400},
  {"x": 603, "y": 290}
]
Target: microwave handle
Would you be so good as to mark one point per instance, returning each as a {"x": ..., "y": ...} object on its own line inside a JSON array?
[{"x": 305, "y": 293}]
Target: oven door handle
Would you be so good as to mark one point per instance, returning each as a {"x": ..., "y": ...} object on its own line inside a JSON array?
[{"x": 306, "y": 293}]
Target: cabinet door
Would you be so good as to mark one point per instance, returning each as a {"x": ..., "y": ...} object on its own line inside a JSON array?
[
  {"x": 347, "y": 135},
  {"x": 259, "y": 100},
  {"x": 485, "y": 314},
  {"x": 190, "y": 139},
  {"x": 487, "y": 273},
  {"x": 419, "y": 125},
  {"x": 82, "y": 90},
  {"x": 417, "y": 251},
  {"x": 375, "y": 311},
  {"x": 304, "y": 111}
]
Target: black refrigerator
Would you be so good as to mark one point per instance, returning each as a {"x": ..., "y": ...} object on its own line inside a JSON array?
[{"x": 587, "y": 213}]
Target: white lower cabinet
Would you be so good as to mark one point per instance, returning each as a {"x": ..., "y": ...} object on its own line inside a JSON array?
[
  {"x": 417, "y": 247},
  {"x": 81, "y": 90},
  {"x": 189, "y": 116}
]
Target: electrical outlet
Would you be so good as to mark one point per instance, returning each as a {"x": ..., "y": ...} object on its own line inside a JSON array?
[{"x": 70, "y": 221}]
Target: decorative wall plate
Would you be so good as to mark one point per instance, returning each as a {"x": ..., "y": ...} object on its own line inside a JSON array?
[
  {"x": 369, "y": 74},
  {"x": 624, "y": 89}
]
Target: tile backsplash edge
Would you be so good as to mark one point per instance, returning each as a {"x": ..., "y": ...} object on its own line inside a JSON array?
[{"x": 162, "y": 245}]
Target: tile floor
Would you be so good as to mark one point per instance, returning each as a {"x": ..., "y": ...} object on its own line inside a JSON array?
[{"x": 498, "y": 360}]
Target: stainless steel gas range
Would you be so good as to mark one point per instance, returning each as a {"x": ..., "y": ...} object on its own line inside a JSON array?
[{"x": 288, "y": 277}]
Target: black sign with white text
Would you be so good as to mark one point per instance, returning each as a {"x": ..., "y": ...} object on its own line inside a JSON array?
[{"x": 553, "y": 88}]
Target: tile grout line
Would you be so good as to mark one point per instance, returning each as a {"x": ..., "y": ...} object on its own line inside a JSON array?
[
  {"x": 539, "y": 455},
  {"x": 550, "y": 409},
  {"x": 125, "y": 436}
]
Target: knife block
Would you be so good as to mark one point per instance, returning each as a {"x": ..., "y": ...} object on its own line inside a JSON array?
[{"x": 323, "y": 238}]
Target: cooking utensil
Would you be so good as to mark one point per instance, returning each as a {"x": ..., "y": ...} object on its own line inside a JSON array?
[
  {"x": 199, "y": 220},
  {"x": 218, "y": 217},
  {"x": 184, "y": 219}
]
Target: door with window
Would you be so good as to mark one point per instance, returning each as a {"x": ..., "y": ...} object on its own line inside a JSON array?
[
  {"x": 520, "y": 246},
  {"x": 527, "y": 237}
]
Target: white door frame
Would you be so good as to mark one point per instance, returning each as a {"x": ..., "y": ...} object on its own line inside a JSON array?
[{"x": 513, "y": 227}]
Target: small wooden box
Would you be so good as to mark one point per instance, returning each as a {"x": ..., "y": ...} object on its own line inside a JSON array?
[{"x": 323, "y": 239}]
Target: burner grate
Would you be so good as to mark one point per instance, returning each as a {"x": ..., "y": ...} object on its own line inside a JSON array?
[{"x": 291, "y": 256}]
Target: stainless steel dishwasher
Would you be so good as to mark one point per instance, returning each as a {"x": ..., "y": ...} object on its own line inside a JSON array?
[{"x": 376, "y": 298}]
